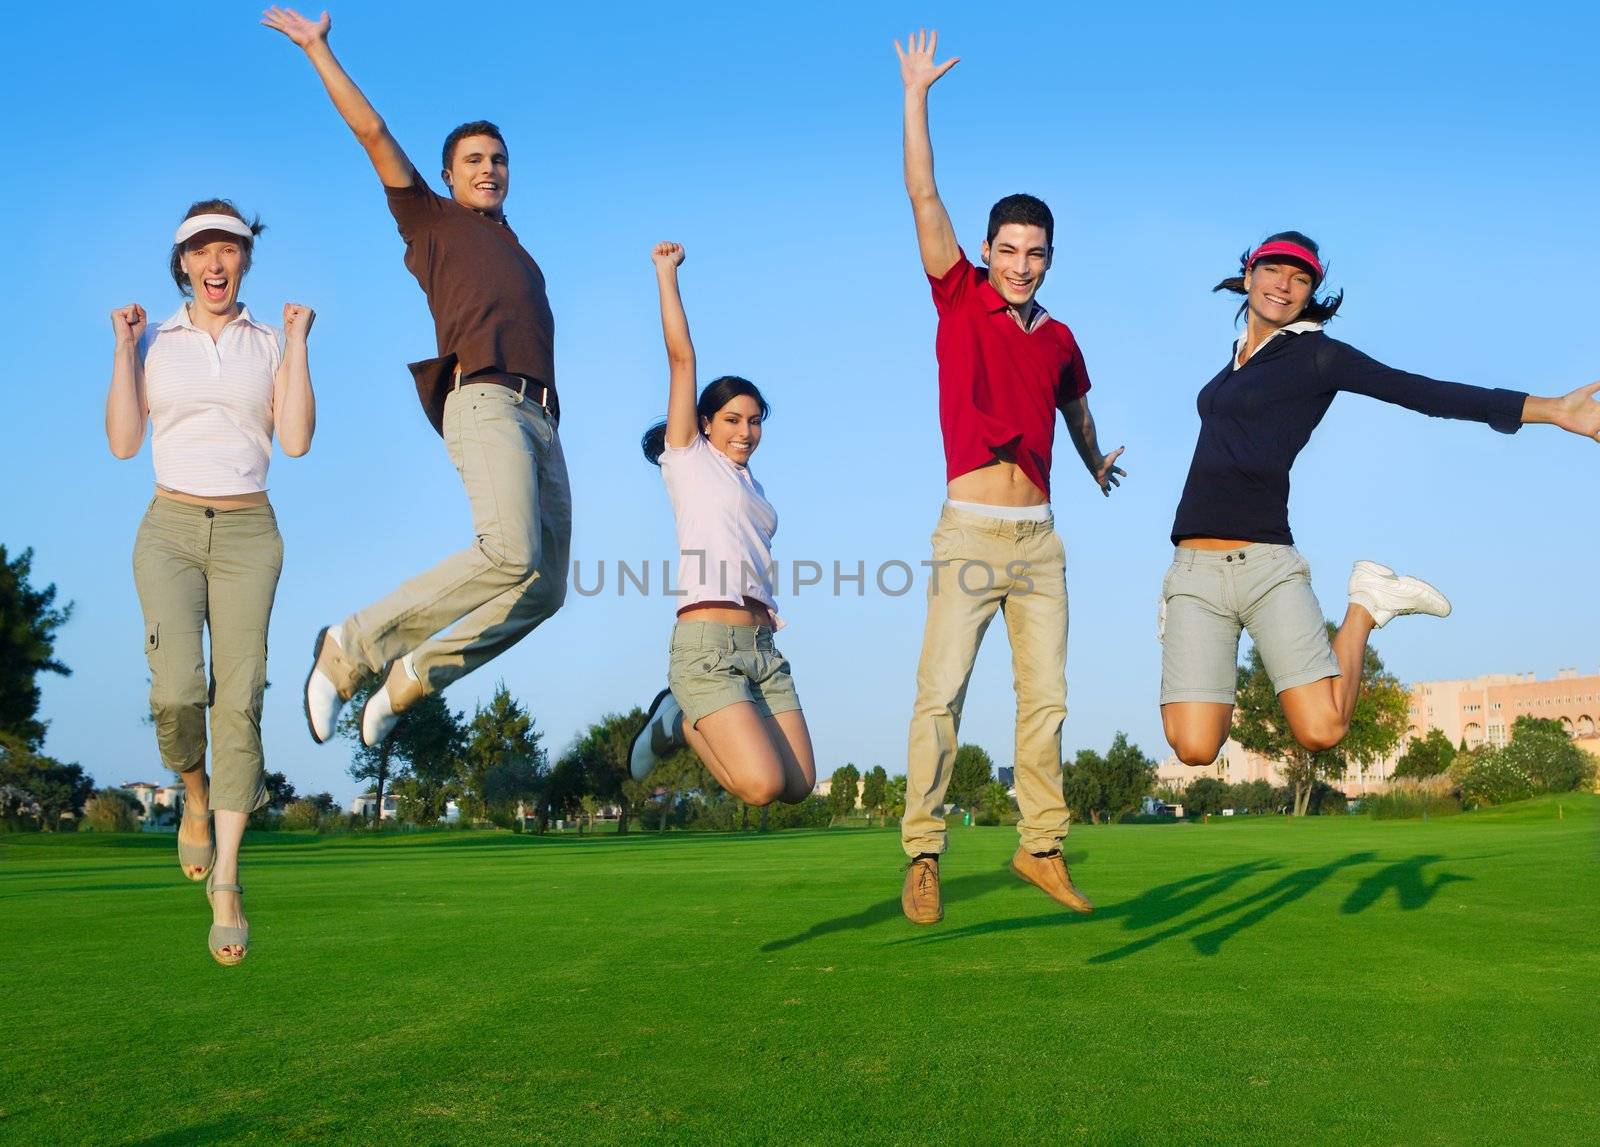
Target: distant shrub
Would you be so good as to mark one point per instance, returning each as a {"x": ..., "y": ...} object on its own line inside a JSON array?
[
  {"x": 813, "y": 812},
  {"x": 112, "y": 810},
  {"x": 301, "y": 815},
  {"x": 1492, "y": 778},
  {"x": 1408, "y": 799},
  {"x": 1541, "y": 749}
]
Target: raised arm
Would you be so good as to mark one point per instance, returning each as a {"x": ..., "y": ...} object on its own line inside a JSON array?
[
  {"x": 1080, "y": 425},
  {"x": 391, "y": 164},
  {"x": 683, "y": 424},
  {"x": 935, "y": 236},
  {"x": 126, "y": 409},
  {"x": 294, "y": 406}
]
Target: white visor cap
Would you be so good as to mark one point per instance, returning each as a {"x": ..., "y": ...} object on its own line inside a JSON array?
[{"x": 195, "y": 224}]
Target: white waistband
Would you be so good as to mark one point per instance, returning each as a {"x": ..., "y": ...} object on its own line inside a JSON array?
[{"x": 1040, "y": 513}]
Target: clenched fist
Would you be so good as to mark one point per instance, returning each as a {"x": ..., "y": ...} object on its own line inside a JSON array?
[
  {"x": 128, "y": 322},
  {"x": 667, "y": 254},
  {"x": 297, "y": 321}
]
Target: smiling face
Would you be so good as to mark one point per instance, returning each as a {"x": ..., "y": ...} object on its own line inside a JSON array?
[
  {"x": 1018, "y": 257},
  {"x": 479, "y": 174},
  {"x": 1277, "y": 293},
  {"x": 216, "y": 263},
  {"x": 736, "y": 428}
]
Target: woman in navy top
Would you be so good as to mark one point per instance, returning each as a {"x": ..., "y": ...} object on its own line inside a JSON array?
[{"x": 1235, "y": 566}]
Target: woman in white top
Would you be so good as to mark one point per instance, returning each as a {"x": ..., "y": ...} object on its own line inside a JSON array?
[
  {"x": 730, "y": 697},
  {"x": 214, "y": 384}
]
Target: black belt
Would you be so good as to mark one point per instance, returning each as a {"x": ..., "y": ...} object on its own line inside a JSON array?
[{"x": 542, "y": 394}]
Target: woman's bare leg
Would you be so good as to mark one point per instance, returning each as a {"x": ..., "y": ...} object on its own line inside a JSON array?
[
  {"x": 1196, "y": 730},
  {"x": 792, "y": 739},
  {"x": 1319, "y": 713},
  {"x": 735, "y": 745}
]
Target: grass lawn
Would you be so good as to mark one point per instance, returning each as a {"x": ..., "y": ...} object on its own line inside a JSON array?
[{"x": 1260, "y": 981}]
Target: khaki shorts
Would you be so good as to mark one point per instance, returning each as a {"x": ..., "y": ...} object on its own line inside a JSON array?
[
  {"x": 1210, "y": 595},
  {"x": 715, "y": 665}
]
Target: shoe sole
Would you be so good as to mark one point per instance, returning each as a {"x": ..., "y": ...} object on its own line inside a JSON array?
[
  {"x": 649, "y": 717},
  {"x": 305, "y": 692},
  {"x": 1025, "y": 878}
]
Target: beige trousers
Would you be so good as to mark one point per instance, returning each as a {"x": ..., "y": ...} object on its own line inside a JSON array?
[
  {"x": 508, "y": 454},
  {"x": 198, "y": 569},
  {"x": 984, "y": 565}
]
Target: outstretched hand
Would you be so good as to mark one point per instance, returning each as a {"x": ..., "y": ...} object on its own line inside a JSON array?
[
  {"x": 1108, "y": 472},
  {"x": 917, "y": 69},
  {"x": 128, "y": 322},
  {"x": 667, "y": 255},
  {"x": 295, "y": 26},
  {"x": 1579, "y": 411}
]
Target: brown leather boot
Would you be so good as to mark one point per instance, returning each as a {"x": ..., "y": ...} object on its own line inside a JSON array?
[
  {"x": 1050, "y": 874},
  {"x": 920, "y": 897}
]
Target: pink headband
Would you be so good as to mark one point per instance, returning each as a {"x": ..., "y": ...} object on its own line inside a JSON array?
[{"x": 1293, "y": 250}]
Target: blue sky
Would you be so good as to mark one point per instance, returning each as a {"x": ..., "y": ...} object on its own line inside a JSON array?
[{"x": 1447, "y": 165}]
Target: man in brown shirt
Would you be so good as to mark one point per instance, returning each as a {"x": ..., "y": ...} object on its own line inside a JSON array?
[{"x": 490, "y": 393}]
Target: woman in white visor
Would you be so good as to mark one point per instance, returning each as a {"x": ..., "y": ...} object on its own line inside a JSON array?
[{"x": 214, "y": 384}]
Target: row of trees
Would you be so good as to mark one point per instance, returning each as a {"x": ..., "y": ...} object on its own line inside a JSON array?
[{"x": 36, "y": 790}]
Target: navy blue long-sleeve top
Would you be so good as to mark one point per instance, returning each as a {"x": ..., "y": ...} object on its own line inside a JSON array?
[{"x": 1255, "y": 420}]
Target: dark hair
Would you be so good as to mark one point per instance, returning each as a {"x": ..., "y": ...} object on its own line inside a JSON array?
[
  {"x": 476, "y": 127},
  {"x": 717, "y": 394},
  {"x": 213, "y": 207},
  {"x": 1029, "y": 210},
  {"x": 1316, "y": 310}
]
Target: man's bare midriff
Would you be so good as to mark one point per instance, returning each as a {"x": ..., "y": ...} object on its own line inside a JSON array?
[
  {"x": 752, "y": 612},
  {"x": 998, "y": 484},
  {"x": 225, "y": 502}
]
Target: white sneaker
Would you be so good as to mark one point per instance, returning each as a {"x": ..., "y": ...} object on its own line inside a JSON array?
[
  {"x": 322, "y": 699},
  {"x": 662, "y": 733},
  {"x": 1386, "y": 595},
  {"x": 379, "y": 715}
]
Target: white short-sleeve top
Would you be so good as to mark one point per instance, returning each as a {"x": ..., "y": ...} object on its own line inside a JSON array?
[
  {"x": 210, "y": 403},
  {"x": 725, "y": 527}
]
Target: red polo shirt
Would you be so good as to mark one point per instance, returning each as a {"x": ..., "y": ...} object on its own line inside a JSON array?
[{"x": 999, "y": 385}]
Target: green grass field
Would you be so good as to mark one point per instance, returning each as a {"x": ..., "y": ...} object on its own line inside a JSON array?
[{"x": 1262, "y": 981}]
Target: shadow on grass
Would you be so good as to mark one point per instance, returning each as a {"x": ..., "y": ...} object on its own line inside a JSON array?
[
  {"x": 952, "y": 891},
  {"x": 216, "y": 1131},
  {"x": 1405, "y": 877},
  {"x": 1210, "y": 930}
]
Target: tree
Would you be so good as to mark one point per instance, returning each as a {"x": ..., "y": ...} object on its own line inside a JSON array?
[
  {"x": 874, "y": 791},
  {"x": 1083, "y": 785},
  {"x": 1205, "y": 795},
  {"x": 322, "y": 802},
  {"x": 972, "y": 770},
  {"x": 1095, "y": 786},
  {"x": 895, "y": 798},
  {"x": 674, "y": 778},
  {"x": 503, "y": 762},
  {"x": 1425, "y": 756},
  {"x": 842, "y": 793},
  {"x": 996, "y": 802},
  {"x": 28, "y": 624},
  {"x": 1252, "y": 796},
  {"x": 1129, "y": 776},
  {"x": 1541, "y": 749},
  {"x": 600, "y": 755},
  {"x": 280, "y": 790},
  {"x": 425, "y": 746},
  {"x": 56, "y": 789},
  {"x": 1376, "y": 726}
]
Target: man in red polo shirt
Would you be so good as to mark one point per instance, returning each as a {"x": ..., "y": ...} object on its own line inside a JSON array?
[{"x": 1005, "y": 368}]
